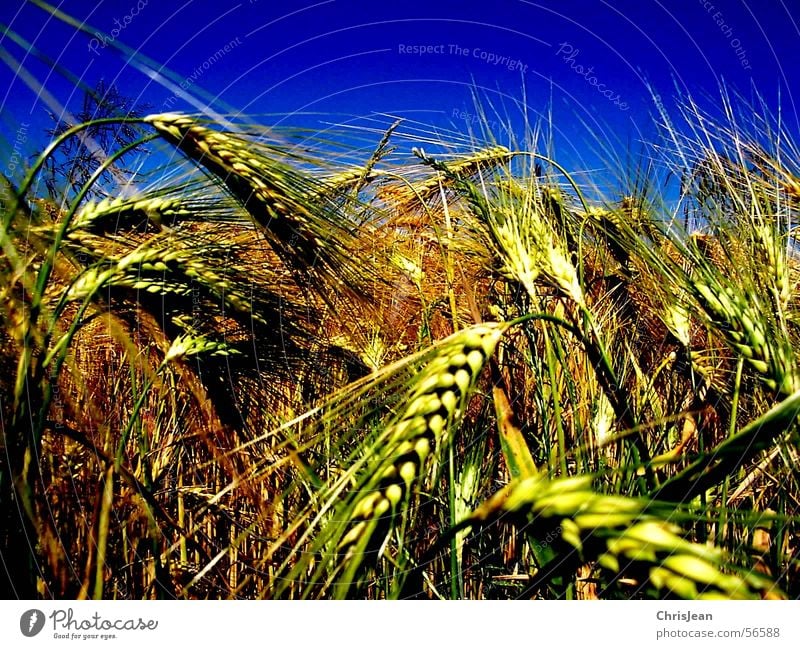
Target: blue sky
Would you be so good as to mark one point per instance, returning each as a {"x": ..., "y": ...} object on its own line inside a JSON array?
[{"x": 590, "y": 63}]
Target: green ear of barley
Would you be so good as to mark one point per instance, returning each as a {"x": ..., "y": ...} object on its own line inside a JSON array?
[
  {"x": 158, "y": 270},
  {"x": 631, "y": 534},
  {"x": 185, "y": 346},
  {"x": 528, "y": 246},
  {"x": 739, "y": 315},
  {"x": 118, "y": 213},
  {"x": 436, "y": 402}
]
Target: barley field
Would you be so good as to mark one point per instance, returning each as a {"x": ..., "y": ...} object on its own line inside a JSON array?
[
  {"x": 381, "y": 358},
  {"x": 396, "y": 362}
]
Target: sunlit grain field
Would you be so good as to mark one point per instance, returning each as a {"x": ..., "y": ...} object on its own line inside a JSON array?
[{"x": 437, "y": 369}]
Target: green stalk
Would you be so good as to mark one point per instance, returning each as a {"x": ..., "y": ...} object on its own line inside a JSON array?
[
  {"x": 134, "y": 417},
  {"x": 560, "y": 356},
  {"x": 102, "y": 534},
  {"x": 456, "y": 583},
  {"x": 723, "y": 513},
  {"x": 561, "y": 444}
]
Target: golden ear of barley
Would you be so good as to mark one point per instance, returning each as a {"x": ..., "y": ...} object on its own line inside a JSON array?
[
  {"x": 310, "y": 233},
  {"x": 261, "y": 185},
  {"x": 346, "y": 181},
  {"x": 403, "y": 196},
  {"x": 436, "y": 402},
  {"x": 676, "y": 317},
  {"x": 274, "y": 194}
]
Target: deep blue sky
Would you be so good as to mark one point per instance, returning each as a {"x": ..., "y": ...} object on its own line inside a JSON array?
[{"x": 345, "y": 58}]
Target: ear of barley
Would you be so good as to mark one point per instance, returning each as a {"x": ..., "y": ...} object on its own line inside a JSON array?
[
  {"x": 739, "y": 315},
  {"x": 529, "y": 248},
  {"x": 422, "y": 429},
  {"x": 676, "y": 317},
  {"x": 117, "y": 212},
  {"x": 261, "y": 185},
  {"x": 186, "y": 345},
  {"x": 311, "y": 236},
  {"x": 158, "y": 270},
  {"x": 774, "y": 255},
  {"x": 403, "y": 197},
  {"x": 622, "y": 534},
  {"x": 346, "y": 181},
  {"x": 526, "y": 244},
  {"x": 350, "y": 182}
]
